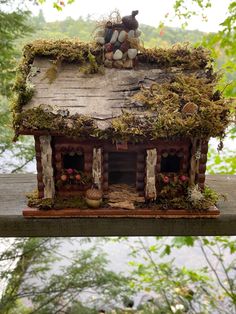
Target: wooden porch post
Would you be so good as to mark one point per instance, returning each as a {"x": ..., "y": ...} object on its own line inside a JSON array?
[
  {"x": 150, "y": 188},
  {"x": 193, "y": 162},
  {"x": 97, "y": 167},
  {"x": 47, "y": 169}
]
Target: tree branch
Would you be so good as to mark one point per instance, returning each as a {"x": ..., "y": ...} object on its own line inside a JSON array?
[
  {"x": 157, "y": 270},
  {"x": 213, "y": 269},
  {"x": 23, "y": 165}
]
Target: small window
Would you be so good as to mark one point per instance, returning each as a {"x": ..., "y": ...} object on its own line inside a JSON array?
[
  {"x": 74, "y": 160},
  {"x": 171, "y": 163}
]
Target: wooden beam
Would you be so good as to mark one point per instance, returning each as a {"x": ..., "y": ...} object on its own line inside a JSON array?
[{"x": 13, "y": 188}]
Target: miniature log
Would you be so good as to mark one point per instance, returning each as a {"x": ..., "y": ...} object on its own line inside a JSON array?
[
  {"x": 47, "y": 169},
  {"x": 150, "y": 189},
  {"x": 198, "y": 156},
  {"x": 194, "y": 161},
  {"x": 97, "y": 166},
  {"x": 202, "y": 163},
  {"x": 39, "y": 167},
  {"x": 192, "y": 171}
]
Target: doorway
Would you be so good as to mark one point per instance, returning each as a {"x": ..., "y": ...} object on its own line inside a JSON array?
[{"x": 122, "y": 168}]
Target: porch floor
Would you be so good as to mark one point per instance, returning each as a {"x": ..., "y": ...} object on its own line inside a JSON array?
[{"x": 123, "y": 196}]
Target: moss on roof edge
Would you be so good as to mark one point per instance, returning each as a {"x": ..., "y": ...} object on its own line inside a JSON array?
[
  {"x": 124, "y": 126},
  {"x": 76, "y": 51}
]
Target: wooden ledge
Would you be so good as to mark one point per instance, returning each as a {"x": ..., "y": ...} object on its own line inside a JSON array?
[
  {"x": 12, "y": 223},
  {"x": 212, "y": 212}
]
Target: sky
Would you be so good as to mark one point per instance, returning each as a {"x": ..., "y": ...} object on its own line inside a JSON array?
[{"x": 151, "y": 12}]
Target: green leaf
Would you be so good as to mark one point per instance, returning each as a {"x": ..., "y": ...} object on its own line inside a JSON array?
[
  {"x": 153, "y": 248},
  {"x": 183, "y": 241},
  {"x": 57, "y": 6},
  {"x": 166, "y": 251}
]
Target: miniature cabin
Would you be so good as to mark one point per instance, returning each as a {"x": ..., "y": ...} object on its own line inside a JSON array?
[{"x": 143, "y": 120}]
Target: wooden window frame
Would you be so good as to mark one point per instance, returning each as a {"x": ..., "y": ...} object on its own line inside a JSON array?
[{"x": 61, "y": 147}]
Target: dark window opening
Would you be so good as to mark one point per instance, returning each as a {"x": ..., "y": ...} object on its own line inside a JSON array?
[
  {"x": 122, "y": 168},
  {"x": 171, "y": 163},
  {"x": 74, "y": 160}
]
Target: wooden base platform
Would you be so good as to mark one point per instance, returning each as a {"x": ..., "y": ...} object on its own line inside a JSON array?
[
  {"x": 14, "y": 187},
  {"x": 212, "y": 212}
]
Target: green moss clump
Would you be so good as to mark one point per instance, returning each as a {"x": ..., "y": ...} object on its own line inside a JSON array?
[
  {"x": 128, "y": 127},
  {"x": 58, "y": 202},
  {"x": 184, "y": 56},
  {"x": 92, "y": 66},
  {"x": 23, "y": 90},
  {"x": 211, "y": 195},
  {"x": 41, "y": 203},
  {"x": 167, "y": 100},
  {"x": 209, "y": 198},
  {"x": 72, "y": 202},
  {"x": 43, "y": 119},
  {"x": 64, "y": 50},
  {"x": 51, "y": 73}
]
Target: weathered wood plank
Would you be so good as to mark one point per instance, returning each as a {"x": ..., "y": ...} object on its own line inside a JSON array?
[
  {"x": 213, "y": 212},
  {"x": 150, "y": 188},
  {"x": 47, "y": 169},
  {"x": 97, "y": 167},
  {"x": 91, "y": 95},
  {"x": 12, "y": 200}
]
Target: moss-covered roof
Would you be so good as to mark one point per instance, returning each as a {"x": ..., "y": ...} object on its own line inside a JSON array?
[{"x": 63, "y": 88}]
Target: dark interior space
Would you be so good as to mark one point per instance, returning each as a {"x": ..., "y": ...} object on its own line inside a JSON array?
[
  {"x": 122, "y": 168},
  {"x": 74, "y": 161},
  {"x": 171, "y": 163}
]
